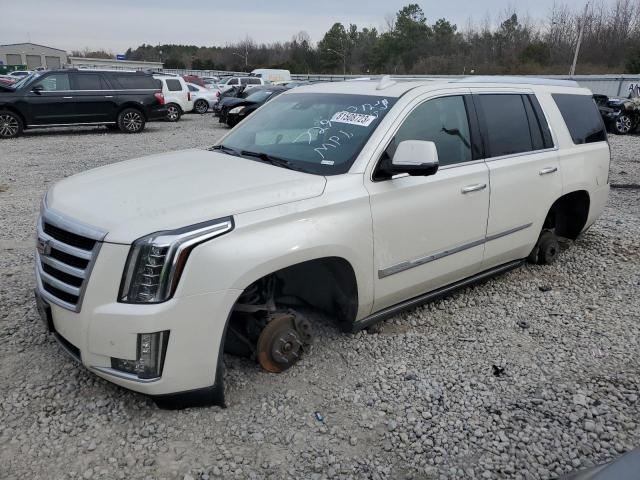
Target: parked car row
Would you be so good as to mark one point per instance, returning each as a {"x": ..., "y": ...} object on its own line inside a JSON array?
[
  {"x": 620, "y": 115},
  {"x": 117, "y": 99}
]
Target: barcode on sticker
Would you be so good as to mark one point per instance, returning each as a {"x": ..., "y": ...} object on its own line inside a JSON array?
[{"x": 353, "y": 118}]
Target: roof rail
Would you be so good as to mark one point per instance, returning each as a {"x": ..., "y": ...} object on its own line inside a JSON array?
[{"x": 514, "y": 79}]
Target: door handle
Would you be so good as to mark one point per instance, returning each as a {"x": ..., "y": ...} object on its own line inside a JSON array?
[
  {"x": 547, "y": 170},
  {"x": 474, "y": 188}
]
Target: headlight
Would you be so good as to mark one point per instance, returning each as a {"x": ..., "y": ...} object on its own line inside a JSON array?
[
  {"x": 236, "y": 110},
  {"x": 155, "y": 262}
]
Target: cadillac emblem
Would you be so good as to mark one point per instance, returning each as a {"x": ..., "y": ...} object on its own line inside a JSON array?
[{"x": 43, "y": 247}]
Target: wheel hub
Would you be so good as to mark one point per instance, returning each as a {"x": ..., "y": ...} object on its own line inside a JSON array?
[{"x": 282, "y": 341}]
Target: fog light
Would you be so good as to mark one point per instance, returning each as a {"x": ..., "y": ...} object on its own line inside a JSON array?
[{"x": 150, "y": 353}]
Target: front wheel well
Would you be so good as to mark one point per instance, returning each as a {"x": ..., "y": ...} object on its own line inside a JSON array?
[
  {"x": 327, "y": 284},
  {"x": 568, "y": 215}
]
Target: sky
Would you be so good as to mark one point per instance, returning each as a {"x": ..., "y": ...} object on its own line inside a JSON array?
[{"x": 115, "y": 25}]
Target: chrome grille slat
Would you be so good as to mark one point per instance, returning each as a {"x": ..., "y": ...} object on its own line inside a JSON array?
[
  {"x": 45, "y": 277},
  {"x": 63, "y": 247},
  {"x": 59, "y": 283},
  {"x": 63, "y": 267}
]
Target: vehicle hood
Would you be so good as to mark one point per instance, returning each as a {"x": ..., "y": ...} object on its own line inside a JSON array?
[
  {"x": 137, "y": 197},
  {"x": 231, "y": 101}
]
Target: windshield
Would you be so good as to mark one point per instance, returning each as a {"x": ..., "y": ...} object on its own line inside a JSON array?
[
  {"x": 24, "y": 80},
  {"x": 259, "y": 96},
  {"x": 319, "y": 133}
]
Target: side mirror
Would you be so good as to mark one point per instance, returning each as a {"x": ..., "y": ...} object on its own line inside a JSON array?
[
  {"x": 414, "y": 157},
  {"x": 37, "y": 89}
]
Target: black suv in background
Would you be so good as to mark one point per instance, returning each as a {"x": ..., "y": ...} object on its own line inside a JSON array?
[{"x": 119, "y": 100}]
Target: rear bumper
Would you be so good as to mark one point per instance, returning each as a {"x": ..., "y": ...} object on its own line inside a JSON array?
[{"x": 154, "y": 114}]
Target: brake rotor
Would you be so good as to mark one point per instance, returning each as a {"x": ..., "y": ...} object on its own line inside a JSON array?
[{"x": 282, "y": 342}]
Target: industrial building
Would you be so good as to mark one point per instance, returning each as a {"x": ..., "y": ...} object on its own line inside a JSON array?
[
  {"x": 113, "y": 64},
  {"x": 32, "y": 55}
]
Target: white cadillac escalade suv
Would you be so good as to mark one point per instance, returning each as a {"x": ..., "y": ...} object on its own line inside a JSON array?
[{"x": 358, "y": 199}]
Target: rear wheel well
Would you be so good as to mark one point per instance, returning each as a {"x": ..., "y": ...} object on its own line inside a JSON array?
[
  {"x": 132, "y": 105},
  {"x": 17, "y": 112},
  {"x": 568, "y": 214}
]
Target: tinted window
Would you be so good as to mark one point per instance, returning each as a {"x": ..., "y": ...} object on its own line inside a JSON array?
[
  {"x": 56, "y": 81},
  {"x": 174, "y": 85},
  {"x": 582, "y": 118},
  {"x": 232, "y": 81},
  {"x": 136, "y": 82},
  {"x": 89, "y": 81},
  {"x": 192, "y": 88},
  {"x": 442, "y": 121},
  {"x": 506, "y": 124}
]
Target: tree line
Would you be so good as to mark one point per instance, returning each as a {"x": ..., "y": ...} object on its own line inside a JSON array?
[{"x": 411, "y": 43}]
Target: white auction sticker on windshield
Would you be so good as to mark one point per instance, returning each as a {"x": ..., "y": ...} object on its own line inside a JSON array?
[{"x": 353, "y": 118}]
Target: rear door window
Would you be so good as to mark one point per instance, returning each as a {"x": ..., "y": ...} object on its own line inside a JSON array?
[
  {"x": 582, "y": 117},
  {"x": 506, "y": 124},
  {"x": 174, "y": 85},
  {"x": 89, "y": 81}
]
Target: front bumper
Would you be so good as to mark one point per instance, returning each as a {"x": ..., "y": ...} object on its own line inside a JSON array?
[{"x": 104, "y": 328}]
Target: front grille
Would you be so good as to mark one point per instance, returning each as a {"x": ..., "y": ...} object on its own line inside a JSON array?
[{"x": 65, "y": 256}]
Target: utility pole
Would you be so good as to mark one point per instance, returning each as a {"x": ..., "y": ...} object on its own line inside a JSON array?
[
  {"x": 344, "y": 60},
  {"x": 572, "y": 72}
]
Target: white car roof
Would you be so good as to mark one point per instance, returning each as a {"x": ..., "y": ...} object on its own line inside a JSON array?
[{"x": 388, "y": 87}]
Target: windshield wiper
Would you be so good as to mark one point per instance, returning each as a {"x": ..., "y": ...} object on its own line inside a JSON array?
[
  {"x": 225, "y": 149},
  {"x": 272, "y": 159}
]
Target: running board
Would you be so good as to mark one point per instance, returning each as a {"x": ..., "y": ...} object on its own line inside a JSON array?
[{"x": 433, "y": 295}]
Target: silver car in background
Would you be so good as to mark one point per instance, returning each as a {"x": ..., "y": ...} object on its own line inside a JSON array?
[{"x": 203, "y": 98}]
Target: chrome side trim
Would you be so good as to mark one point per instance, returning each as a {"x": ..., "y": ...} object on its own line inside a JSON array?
[
  {"x": 401, "y": 267},
  {"x": 42, "y": 125},
  {"x": 496, "y": 236},
  {"x": 408, "y": 264},
  {"x": 123, "y": 375},
  {"x": 435, "y": 294}
]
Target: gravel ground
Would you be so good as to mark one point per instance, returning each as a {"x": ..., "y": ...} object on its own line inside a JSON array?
[{"x": 530, "y": 375}]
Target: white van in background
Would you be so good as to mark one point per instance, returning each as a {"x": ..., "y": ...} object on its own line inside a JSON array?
[{"x": 272, "y": 74}]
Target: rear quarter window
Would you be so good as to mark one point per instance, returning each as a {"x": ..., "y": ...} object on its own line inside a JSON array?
[
  {"x": 174, "y": 85},
  {"x": 582, "y": 117},
  {"x": 136, "y": 82}
]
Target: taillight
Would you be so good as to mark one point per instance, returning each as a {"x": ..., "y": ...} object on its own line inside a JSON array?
[
  {"x": 217, "y": 93},
  {"x": 160, "y": 97},
  {"x": 188, "y": 96}
]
